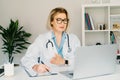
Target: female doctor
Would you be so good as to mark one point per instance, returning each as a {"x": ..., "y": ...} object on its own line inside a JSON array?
[{"x": 53, "y": 50}]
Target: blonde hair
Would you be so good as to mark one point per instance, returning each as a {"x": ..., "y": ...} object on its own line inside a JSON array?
[{"x": 53, "y": 13}]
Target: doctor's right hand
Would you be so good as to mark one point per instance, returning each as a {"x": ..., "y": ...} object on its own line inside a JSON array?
[{"x": 40, "y": 68}]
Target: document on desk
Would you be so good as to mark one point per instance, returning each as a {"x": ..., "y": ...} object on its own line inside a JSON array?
[{"x": 47, "y": 74}]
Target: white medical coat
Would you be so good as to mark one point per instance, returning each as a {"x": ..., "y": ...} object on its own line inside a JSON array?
[{"x": 38, "y": 49}]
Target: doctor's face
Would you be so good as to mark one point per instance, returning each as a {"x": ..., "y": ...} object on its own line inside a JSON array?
[{"x": 60, "y": 22}]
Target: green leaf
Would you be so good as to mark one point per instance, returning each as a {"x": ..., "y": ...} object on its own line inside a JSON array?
[{"x": 14, "y": 38}]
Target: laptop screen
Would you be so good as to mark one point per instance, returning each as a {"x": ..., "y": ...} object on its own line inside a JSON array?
[{"x": 94, "y": 60}]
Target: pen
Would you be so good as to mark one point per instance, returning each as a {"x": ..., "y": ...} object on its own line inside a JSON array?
[
  {"x": 38, "y": 59},
  {"x": 42, "y": 63},
  {"x": 48, "y": 70}
]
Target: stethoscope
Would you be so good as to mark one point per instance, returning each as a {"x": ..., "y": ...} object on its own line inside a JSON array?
[{"x": 69, "y": 48}]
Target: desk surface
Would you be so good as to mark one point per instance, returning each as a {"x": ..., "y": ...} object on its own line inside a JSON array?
[{"x": 20, "y": 74}]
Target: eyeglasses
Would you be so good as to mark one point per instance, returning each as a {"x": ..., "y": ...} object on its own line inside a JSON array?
[{"x": 60, "y": 20}]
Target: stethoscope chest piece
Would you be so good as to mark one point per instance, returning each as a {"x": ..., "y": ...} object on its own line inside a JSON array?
[{"x": 49, "y": 42}]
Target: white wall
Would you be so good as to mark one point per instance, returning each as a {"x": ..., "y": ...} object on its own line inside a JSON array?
[
  {"x": 33, "y": 14},
  {"x": 115, "y": 1}
]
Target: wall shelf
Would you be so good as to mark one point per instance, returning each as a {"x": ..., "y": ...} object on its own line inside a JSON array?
[{"x": 101, "y": 14}]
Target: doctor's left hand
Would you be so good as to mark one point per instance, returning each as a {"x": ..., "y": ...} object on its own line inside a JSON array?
[{"x": 57, "y": 60}]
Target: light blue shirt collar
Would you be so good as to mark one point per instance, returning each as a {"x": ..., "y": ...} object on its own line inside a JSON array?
[{"x": 60, "y": 48}]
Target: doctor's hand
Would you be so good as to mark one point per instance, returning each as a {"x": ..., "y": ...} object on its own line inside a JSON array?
[
  {"x": 40, "y": 68},
  {"x": 57, "y": 60}
]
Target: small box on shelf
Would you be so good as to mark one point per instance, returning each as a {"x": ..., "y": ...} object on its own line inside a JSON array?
[
  {"x": 116, "y": 26},
  {"x": 118, "y": 56},
  {"x": 115, "y": 22},
  {"x": 101, "y": 27},
  {"x": 118, "y": 59}
]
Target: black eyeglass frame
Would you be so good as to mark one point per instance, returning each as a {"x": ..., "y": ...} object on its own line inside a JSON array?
[{"x": 60, "y": 20}]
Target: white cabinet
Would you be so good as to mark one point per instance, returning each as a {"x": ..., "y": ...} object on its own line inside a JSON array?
[{"x": 101, "y": 14}]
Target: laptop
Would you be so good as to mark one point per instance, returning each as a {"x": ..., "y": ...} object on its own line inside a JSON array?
[{"x": 93, "y": 61}]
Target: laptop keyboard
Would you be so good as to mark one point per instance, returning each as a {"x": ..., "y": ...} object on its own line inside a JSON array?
[
  {"x": 67, "y": 73},
  {"x": 71, "y": 73}
]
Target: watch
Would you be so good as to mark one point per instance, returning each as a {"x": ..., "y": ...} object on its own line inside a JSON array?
[{"x": 66, "y": 62}]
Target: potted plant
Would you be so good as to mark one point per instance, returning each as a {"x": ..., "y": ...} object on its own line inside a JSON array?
[{"x": 14, "y": 39}]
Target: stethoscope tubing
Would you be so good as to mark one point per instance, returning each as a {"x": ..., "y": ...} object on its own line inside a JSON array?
[{"x": 50, "y": 42}]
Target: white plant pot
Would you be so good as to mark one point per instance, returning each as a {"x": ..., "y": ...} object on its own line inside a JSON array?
[{"x": 9, "y": 69}]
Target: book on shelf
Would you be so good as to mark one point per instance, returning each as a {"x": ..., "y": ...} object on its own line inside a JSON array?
[
  {"x": 89, "y": 21},
  {"x": 117, "y": 36},
  {"x": 92, "y": 24},
  {"x": 112, "y": 37}
]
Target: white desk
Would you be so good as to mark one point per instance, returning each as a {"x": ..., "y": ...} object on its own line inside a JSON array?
[{"x": 20, "y": 74}]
